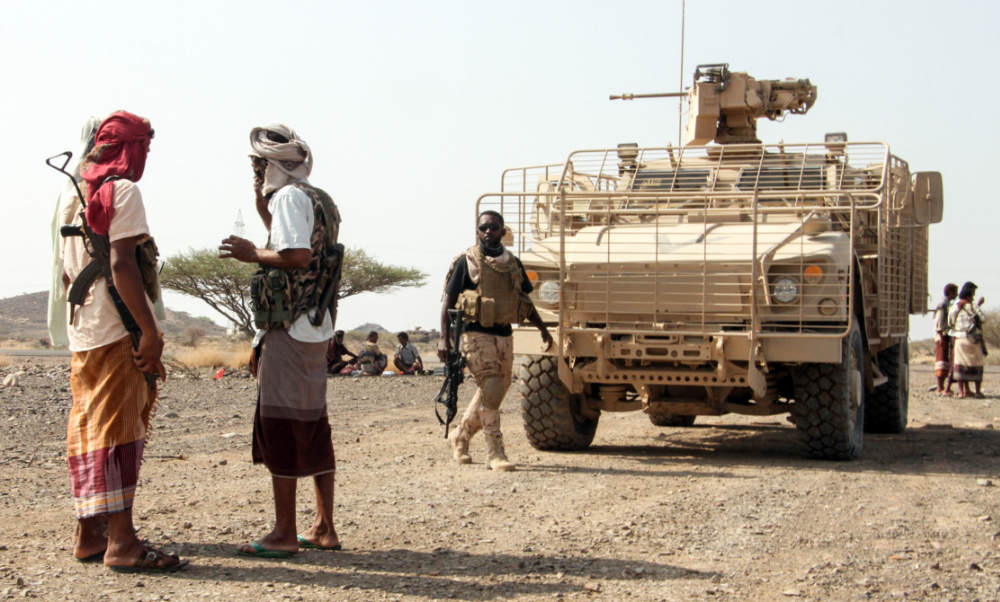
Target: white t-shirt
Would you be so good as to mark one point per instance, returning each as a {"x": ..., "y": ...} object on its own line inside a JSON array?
[
  {"x": 96, "y": 323},
  {"x": 292, "y": 221}
]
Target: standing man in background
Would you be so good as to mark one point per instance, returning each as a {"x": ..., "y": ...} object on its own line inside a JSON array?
[
  {"x": 943, "y": 352},
  {"x": 291, "y": 430}
]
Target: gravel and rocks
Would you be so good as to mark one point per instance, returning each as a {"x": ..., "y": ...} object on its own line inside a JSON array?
[{"x": 724, "y": 510}]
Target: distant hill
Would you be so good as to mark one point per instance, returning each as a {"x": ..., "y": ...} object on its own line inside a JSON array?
[
  {"x": 368, "y": 327},
  {"x": 25, "y": 317}
]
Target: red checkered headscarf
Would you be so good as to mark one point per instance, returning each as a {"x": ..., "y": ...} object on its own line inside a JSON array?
[{"x": 120, "y": 149}]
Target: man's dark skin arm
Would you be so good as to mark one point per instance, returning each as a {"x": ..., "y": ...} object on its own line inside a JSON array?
[
  {"x": 244, "y": 250},
  {"x": 444, "y": 343},
  {"x": 536, "y": 321},
  {"x": 128, "y": 281}
]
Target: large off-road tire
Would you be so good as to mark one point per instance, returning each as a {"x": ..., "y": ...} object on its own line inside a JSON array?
[
  {"x": 552, "y": 418},
  {"x": 829, "y": 403},
  {"x": 671, "y": 419},
  {"x": 886, "y": 406}
]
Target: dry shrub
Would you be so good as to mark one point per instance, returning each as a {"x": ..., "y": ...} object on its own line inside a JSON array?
[
  {"x": 233, "y": 357},
  {"x": 5, "y": 361},
  {"x": 192, "y": 335}
]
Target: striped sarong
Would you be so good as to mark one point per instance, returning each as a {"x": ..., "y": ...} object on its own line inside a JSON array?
[
  {"x": 942, "y": 356},
  {"x": 291, "y": 430},
  {"x": 106, "y": 433},
  {"x": 969, "y": 360}
]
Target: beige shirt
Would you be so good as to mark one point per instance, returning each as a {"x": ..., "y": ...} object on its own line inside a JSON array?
[{"x": 96, "y": 323}]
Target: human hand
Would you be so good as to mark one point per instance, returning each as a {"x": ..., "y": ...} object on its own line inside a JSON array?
[
  {"x": 148, "y": 355},
  {"x": 444, "y": 347},
  {"x": 981, "y": 301},
  {"x": 239, "y": 249},
  {"x": 259, "y": 166},
  {"x": 546, "y": 339}
]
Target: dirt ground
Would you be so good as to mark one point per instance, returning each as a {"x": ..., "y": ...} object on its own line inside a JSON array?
[{"x": 724, "y": 510}]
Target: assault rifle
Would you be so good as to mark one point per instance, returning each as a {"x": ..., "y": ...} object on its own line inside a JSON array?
[
  {"x": 328, "y": 300},
  {"x": 99, "y": 249},
  {"x": 454, "y": 373}
]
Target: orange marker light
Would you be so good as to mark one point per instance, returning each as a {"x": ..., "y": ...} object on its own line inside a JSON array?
[
  {"x": 532, "y": 275},
  {"x": 813, "y": 274}
]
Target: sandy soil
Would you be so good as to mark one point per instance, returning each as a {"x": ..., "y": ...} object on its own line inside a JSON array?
[{"x": 725, "y": 510}]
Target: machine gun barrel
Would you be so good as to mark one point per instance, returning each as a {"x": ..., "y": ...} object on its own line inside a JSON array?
[{"x": 628, "y": 96}]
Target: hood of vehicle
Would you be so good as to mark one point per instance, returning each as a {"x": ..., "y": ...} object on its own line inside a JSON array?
[{"x": 688, "y": 243}]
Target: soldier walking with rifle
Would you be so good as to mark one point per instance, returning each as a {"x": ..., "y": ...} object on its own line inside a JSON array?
[
  {"x": 489, "y": 288},
  {"x": 293, "y": 297}
]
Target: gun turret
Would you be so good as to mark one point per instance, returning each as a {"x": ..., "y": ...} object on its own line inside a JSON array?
[{"x": 725, "y": 106}]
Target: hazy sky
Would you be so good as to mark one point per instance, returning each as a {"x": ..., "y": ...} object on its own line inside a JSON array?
[{"x": 413, "y": 109}]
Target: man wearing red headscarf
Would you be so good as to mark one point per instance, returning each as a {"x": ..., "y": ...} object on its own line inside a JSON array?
[{"x": 112, "y": 401}]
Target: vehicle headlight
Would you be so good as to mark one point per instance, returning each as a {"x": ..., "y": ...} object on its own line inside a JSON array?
[
  {"x": 548, "y": 292},
  {"x": 785, "y": 289}
]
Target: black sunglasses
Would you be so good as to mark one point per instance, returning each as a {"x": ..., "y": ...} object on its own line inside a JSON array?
[{"x": 490, "y": 227}]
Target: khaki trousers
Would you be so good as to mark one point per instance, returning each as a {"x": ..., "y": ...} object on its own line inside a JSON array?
[{"x": 490, "y": 359}]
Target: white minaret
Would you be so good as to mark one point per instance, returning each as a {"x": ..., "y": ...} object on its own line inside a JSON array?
[{"x": 239, "y": 227}]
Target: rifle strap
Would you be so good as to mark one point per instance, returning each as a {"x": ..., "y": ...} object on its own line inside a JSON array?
[{"x": 99, "y": 250}]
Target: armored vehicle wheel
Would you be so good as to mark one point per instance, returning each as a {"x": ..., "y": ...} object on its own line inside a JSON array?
[
  {"x": 886, "y": 407},
  {"x": 829, "y": 403},
  {"x": 552, "y": 417},
  {"x": 671, "y": 419}
]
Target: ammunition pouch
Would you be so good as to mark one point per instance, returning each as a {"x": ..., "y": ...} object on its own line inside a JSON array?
[
  {"x": 271, "y": 298},
  {"x": 489, "y": 312}
]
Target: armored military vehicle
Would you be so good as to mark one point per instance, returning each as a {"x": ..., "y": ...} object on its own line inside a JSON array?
[{"x": 724, "y": 275}]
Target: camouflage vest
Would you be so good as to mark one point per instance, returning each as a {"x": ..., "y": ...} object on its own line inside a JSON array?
[
  {"x": 497, "y": 298},
  {"x": 279, "y": 297}
]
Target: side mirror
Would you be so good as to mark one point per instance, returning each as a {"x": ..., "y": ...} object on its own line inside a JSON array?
[{"x": 928, "y": 197}]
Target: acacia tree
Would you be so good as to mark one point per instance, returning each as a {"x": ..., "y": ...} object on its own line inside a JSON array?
[{"x": 224, "y": 284}]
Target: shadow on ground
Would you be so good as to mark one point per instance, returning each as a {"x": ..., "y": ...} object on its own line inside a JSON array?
[
  {"x": 926, "y": 449},
  {"x": 442, "y": 573}
]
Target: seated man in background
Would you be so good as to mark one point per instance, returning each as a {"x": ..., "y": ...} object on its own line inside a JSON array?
[
  {"x": 371, "y": 358},
  {"x": 335, "y": 352},
  {"x": 407, "y": 358}
]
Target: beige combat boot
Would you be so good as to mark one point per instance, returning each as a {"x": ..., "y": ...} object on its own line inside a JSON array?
[
  {"x": 459, "y": 440},
  {"x": 496, "y": 459}
]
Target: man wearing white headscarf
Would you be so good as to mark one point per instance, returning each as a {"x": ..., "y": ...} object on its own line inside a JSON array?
[
  {"x": 67, "y": 206},
  {"x": 291, "y": 434}
]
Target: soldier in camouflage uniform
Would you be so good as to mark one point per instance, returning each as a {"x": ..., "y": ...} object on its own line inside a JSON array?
[{"x": 489, "y": 285}]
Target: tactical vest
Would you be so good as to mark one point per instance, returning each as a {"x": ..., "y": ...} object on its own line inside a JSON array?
[
  {"x": 497, "y": 298},
  {"x": 278, "y": 297}
]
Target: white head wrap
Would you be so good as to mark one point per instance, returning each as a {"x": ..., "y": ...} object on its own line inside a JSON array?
[
  {"x": 286, "y": 161},
  {"x": 67, "y": 208}
]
